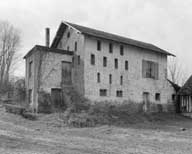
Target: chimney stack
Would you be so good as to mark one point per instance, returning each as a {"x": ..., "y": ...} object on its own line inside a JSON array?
[{"x": 47, "y": 37}]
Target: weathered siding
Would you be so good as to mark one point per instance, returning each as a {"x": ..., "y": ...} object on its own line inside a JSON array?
[{"x": 133, "y": 83}]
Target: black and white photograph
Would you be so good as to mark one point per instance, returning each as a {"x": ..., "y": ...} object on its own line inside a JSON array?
[{"x": 95, "y": 77}]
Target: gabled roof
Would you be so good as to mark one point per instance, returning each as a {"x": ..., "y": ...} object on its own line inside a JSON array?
[
  {"x": 187, "y": 88},
  {"x": 105, "y": 35},
  {"x": 174, "y": 85},
  {"x": 47, "y": 49}
]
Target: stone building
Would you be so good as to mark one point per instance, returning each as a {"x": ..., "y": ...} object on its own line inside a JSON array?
[{"x": 100, "y": 66}]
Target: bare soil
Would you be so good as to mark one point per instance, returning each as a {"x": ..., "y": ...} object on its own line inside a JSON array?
[{"x": 48, "y": 135}]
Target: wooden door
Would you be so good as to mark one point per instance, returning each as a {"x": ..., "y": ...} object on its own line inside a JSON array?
[
  {"x": 146, "y": 101},
  {"x": 56, "y": 96},
  {"x": 66, "y": 73}
]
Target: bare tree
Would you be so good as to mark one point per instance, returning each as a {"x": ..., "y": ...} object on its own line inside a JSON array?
[
  {"x": 9, "y": 43},
  {"x": 176, "y": 72}
]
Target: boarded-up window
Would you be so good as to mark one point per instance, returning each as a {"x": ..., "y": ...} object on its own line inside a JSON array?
[
  {"x": 30, "y": 68},
  {"x": 110, "y": 48},
  {"x": 103, "y": 92},
  {"x": 121, "y": 50},
  {"x": 104, "y": 61},
  {"x": 150, "y": 69},
  {"x": 116, "y": 63},
  {"x": 126, "y": 65},
  {"x": 119, "y": 93},
  {"x": 92, "y": 59},
  {"x": 98, "y": 45},
  {"x": 66, "y": 73}
]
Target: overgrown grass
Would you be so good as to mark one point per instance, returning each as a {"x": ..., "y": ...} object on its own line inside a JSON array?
[{"x": 100, "y": 113}]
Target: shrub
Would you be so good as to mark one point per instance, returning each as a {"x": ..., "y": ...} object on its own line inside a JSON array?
[
  {"x": 76, "y": 102},
  {"x": 102, "y": 113},
  {"x": 44, "y": 102}
]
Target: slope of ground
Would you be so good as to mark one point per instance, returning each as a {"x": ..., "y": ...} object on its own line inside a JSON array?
[{"x": 159, "y": 134}]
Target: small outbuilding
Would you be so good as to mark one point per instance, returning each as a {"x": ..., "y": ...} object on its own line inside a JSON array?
[{"x": 185, "y": 97}]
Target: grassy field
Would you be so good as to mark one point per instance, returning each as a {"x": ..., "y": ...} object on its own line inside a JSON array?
[{"x": 157, "y": 134}]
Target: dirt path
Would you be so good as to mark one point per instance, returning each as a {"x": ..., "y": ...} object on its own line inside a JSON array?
[{"x": 18, "y": 135}]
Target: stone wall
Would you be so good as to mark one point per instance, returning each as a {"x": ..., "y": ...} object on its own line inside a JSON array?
[
  {"x": 78, "y": 68},
  {"x": 133, "y": 83}
]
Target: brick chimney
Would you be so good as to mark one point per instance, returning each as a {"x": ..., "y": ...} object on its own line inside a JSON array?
[{"x": 47, "y": 37}]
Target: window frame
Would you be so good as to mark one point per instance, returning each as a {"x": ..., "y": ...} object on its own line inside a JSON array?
[
  {"x": 98, "y": 77},
  {"x": 68, "y": 34},
  {"x": 121, "y": 80},
  {"x": 119, "y": 93},
  {"x": 116, "y": 63},
  {"x": 30, "y": 68},
  {"x": 110, "y": 47},
  {"x": 98, "y": 45},
  {"x": 78, "y": 59},
  {"x": 121, "y": 50},
  {"x": 75, "y": 45},
  {"x": 126, "y": 65},
  {"x": 103, "y": 92},
  {"x": 157, "y": 97},
  {"x": 92, "y": 60},
  {"x": 104, "y": 61},
  {"x": 110, "y": 78}
]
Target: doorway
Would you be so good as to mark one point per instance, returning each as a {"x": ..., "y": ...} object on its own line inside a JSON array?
[{"x": 146, "y": 101}]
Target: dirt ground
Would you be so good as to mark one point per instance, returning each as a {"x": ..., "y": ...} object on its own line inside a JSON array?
[{"x": 48, "y": 135}]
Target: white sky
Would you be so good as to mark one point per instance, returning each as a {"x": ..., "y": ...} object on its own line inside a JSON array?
[{"x": 167, "y": 24}]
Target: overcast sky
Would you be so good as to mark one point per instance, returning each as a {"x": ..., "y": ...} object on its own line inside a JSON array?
[{"x": 167, "y": 24}]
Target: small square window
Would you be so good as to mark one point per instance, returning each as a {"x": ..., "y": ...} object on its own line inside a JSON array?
[
  {"x": 119, "y": 93},
  {"x": 103, "y": 92},
  {"x": 98, "y": 45},
  {"x": 157, "y": 96},
  {"x": 121, "y": 50}
]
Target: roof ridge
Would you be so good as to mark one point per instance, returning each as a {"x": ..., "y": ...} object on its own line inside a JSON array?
[{"x": 108, "y": 36}]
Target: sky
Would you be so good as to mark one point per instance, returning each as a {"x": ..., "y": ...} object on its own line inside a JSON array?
[{"x": 167, "y": 24}]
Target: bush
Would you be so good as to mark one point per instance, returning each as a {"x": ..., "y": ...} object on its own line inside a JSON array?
[
  {"x": 44, "y": 102},
  {"x": 76, "y": 102},
  {"x": 102, "y": 113}
]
